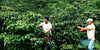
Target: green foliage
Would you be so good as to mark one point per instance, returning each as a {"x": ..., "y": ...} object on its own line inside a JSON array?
[
  {"x": 27, "y": 41},
  {"x": 19, "y": 18}
]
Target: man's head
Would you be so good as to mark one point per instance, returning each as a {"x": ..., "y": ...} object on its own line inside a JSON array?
[
  {"x": 46, "y": 19},
  {"x": 90, "y": 21}
]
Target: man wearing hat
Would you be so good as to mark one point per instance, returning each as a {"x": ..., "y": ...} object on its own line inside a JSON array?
[
  {"x": 90, "y": 32},
  {"x": 47, "y": 26}
]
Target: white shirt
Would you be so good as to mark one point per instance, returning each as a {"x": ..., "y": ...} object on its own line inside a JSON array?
[
  {"x": 47, "y": 26},
  {"x": 91, "y": 32}
]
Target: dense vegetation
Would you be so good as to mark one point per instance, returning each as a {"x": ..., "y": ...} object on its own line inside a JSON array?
[{"x": 19, "y": 18}]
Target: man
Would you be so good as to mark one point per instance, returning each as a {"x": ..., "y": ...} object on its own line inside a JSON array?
[
  {"x": 47, "y": 26},
  {"x": 90, "y": 32}
]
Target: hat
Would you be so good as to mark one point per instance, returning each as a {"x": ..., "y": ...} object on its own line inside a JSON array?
[{"x": 90, "y": 19}]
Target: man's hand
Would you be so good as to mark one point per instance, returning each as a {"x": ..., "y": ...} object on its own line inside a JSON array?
[
  {"x": 47, "y": 31},
  {"x": 79, "y": 27},
  {"x": 38, "y": 26}
]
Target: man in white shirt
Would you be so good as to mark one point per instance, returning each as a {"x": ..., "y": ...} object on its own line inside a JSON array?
[
  {"x": 90, "y": 33},
  {"x": 47, "y": 26}
]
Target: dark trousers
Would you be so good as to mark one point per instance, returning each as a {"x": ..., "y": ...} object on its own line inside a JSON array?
[{"x": 48, "y": 45}]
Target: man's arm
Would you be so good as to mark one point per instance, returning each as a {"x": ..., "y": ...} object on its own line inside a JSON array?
[
  {"x": 39, "y": 26},
  {"x": 83, "y": 29},
  {"x": 48, "y": 30}
]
